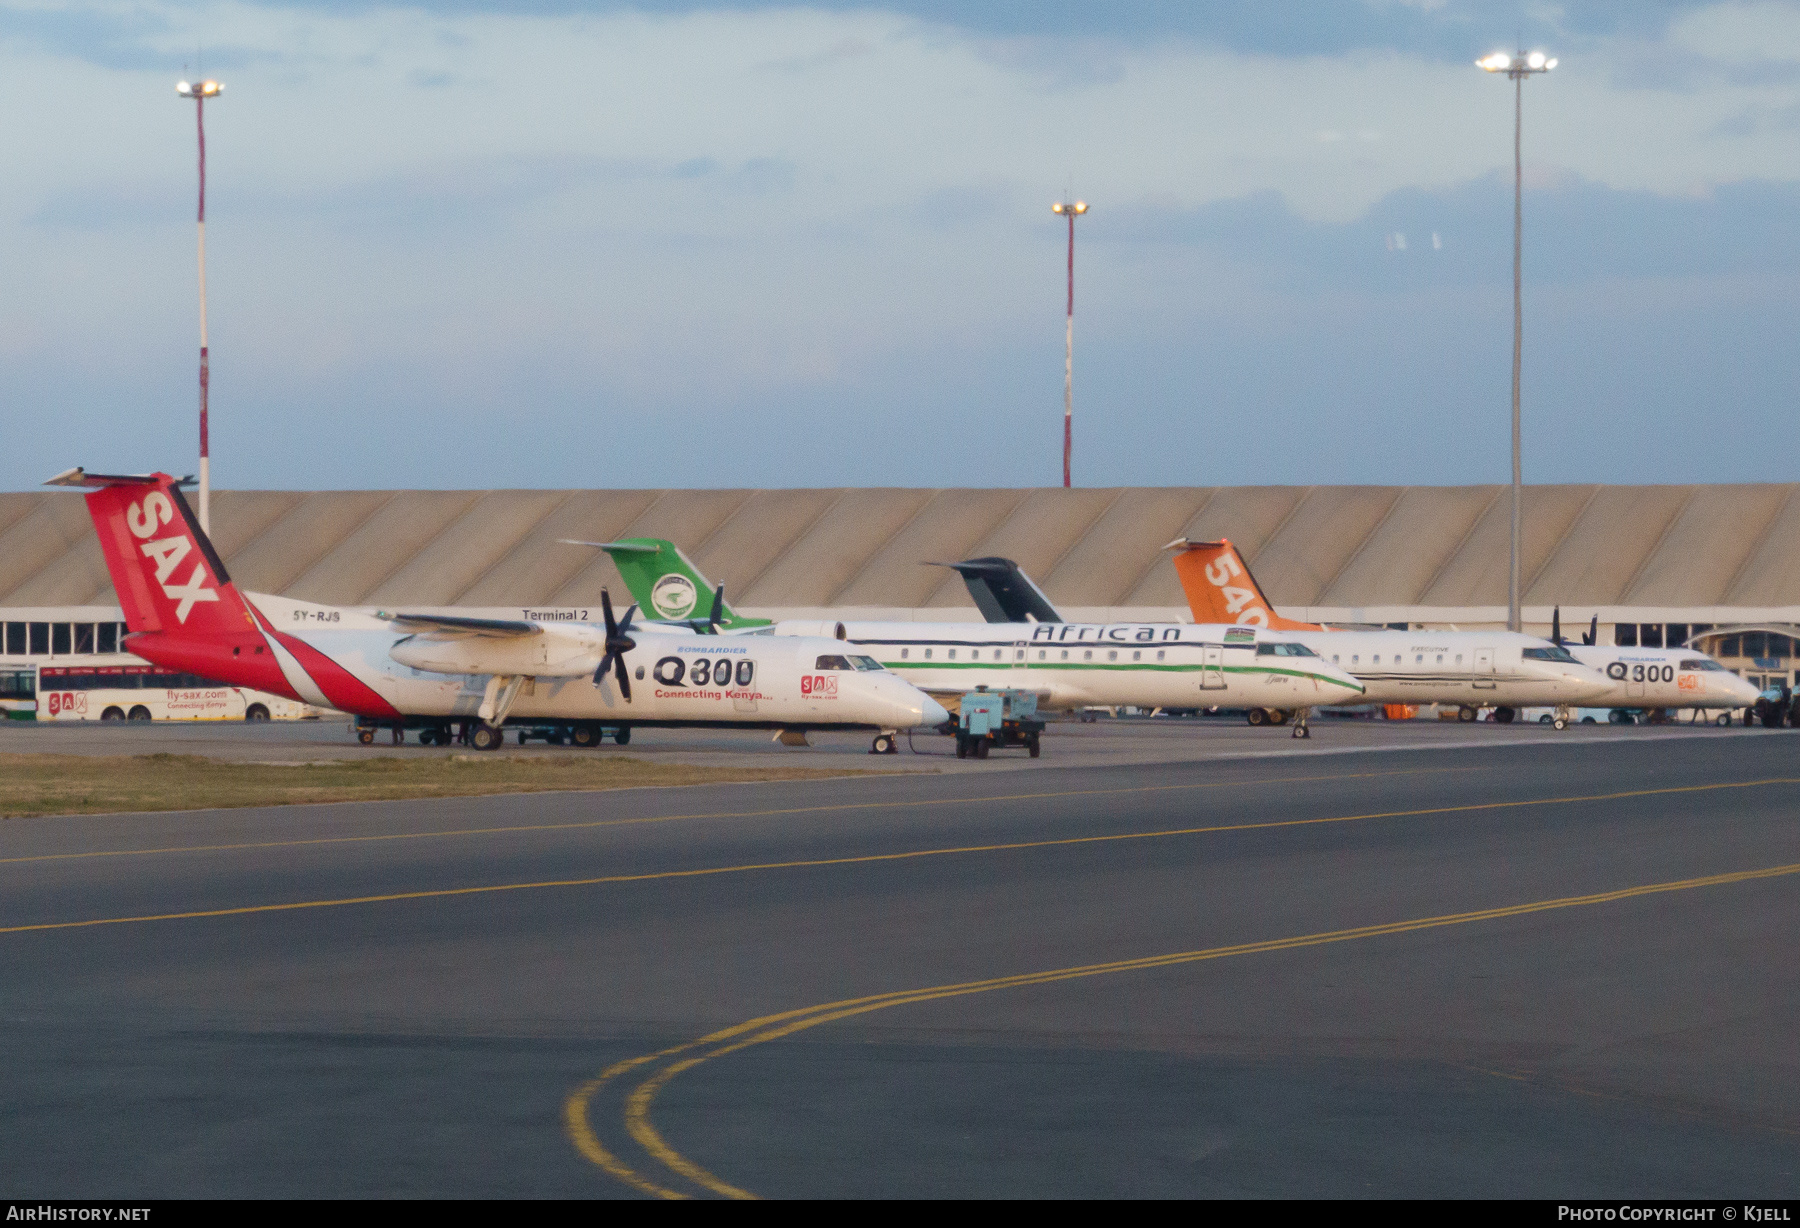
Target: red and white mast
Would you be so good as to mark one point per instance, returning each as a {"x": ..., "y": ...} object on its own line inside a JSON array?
[
  {"x": 200, "y": 91},
  {"x": 1070, "y": 210}
]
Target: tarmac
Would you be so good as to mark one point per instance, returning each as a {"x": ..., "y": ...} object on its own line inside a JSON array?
[{"x": 1168, "y": 959}]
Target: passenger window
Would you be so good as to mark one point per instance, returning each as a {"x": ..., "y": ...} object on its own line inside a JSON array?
[
  {"x": 1137, "y": 656},
  {"x": 1112, "y": 656},
  {"x": 1334, "y": 659},
  {"x": 1378, "y": 658},
  {"x": 1355, "y": 657},
  {"x": 1459, "y": 658},
  {"x": 953, "y": 654},
  {"x": 904, "y": 652},
  {"x": 1159, "y": 654},
  {"x": 1088, "y": 655},
  {"x": 928, "y": 654},
  {"x": 1041, "y": 654},
  {"x": 1065, "y": 655},
  {"x": 1419, "y": 659},
  {"x": 1440, "y": 659}
]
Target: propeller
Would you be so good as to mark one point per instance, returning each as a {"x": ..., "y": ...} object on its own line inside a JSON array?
[
  {"x": 1592, "y": 634},
  {"x": 618, "y": 643},
  {"x": 1556, "y": 626}
]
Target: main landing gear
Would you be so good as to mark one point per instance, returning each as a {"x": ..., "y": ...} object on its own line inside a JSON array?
[{"x": 884, "y": 744}]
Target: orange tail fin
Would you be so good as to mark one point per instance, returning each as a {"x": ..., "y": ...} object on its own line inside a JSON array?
[{"x": 1220, "y": 588}]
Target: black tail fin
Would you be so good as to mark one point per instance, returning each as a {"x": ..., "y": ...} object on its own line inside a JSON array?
[{"x": 1003, "y": 592}]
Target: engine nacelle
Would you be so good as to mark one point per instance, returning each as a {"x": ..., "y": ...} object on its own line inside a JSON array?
[
  {"x": 549, "y": 652},
  {"x": 812, "y": 627}
]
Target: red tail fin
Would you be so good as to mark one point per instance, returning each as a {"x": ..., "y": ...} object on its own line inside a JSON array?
[
  {"x": 1220, "y": 588},
  {"x": 183, "y": 610}
]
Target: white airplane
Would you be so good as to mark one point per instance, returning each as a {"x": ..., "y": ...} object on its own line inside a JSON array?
[
  {"x": 431, "y": 672},
  {"x": 1658, "y": 677},
  {"x": 1068, "y": 665},
  {"x": 1472, "y": 669}
]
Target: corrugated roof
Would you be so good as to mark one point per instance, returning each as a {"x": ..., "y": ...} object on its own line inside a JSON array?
[{"x": 1330, "y": 546}]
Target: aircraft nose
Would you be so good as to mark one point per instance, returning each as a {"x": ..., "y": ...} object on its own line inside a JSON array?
[{"x": 931, "y": 712}]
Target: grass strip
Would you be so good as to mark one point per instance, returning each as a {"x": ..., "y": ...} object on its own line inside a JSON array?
[{"x": 110, "y": 784}]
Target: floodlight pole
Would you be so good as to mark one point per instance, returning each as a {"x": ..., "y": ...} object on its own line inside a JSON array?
[
  {"x": 200, "y": 91},
  {"x": 1518, "y": 67},
  {"x": 1070, "y": 210}
]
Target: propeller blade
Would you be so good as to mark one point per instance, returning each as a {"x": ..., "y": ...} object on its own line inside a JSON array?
[
  {"x": 624, "y": 677},
  {"x": 625, "y": 627},
  {"x": 600, "y": 671},
  {"x": 612, "y": 628},
  {"x": 1556, "y": 626}
]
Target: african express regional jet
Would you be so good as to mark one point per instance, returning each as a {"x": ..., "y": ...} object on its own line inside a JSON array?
[
  {"x": 1069, "y": 665},
  {"x": 425, "y": 670}
]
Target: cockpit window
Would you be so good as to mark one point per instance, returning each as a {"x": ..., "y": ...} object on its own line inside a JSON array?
[
  {"x": 866, "y": 663},
  {"x": 1702, "y": 663},
  {"x": 830, "y": 662},
  {"x": 1284, "y": 650},
  {"x": 1556, "y": 652}
]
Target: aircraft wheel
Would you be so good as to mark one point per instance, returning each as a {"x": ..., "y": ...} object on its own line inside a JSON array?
[
  {"x": 1559, "y": 723},
  {"x": 1724, "y": 718},
  {"x": 487, "y": 737},
  {"x": 586, "y": 735},
  {"x": 365, "y": 736},
  {"x": 622, "y": 735},
  {"x": 1466, "y": 713},
  {"x": 1256, "y": 716},
  {"x": 1032, "y": 747},
  {"x": 882, "y": 745}
]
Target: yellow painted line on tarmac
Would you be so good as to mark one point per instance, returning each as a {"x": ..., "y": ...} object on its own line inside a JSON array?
[
  {"x": 873, "y": 858},
  {"x": 774, "y": 1027},
  {"x": 721, "y": 814}
]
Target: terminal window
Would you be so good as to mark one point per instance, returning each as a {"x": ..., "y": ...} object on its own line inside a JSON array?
[
  {"x": 1650, "y": 635},
  {"x": 40, "y": 637},
  {"x": 15, "y": 639},
  {"x": 1625, "y": 635}
]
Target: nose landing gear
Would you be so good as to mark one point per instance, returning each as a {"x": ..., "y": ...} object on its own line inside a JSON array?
[{"x": 1301, "y": 728}]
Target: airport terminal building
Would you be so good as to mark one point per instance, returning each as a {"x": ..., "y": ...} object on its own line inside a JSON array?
[{"x": 1718, "y": 566}]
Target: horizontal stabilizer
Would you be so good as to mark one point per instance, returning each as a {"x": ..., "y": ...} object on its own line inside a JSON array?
[
  {"x": 622, "y": 547},
  {"x": 80, "y": 477}
]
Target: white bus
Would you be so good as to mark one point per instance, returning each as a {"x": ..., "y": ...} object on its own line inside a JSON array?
[
  {"x": 65, "y": 663},
  {"x": 150, "y": 693}
]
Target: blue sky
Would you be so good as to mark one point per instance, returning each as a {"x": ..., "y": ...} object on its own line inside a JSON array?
[{"x": 564, "y": 244}]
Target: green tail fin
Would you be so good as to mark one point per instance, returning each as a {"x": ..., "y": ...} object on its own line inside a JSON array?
[{"x": 667, "y": 585}]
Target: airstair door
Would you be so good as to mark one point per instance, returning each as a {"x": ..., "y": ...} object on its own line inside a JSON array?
[
  {"x": 1212, "y": 667},
  {"x": 1484, "y": 669},
  {"x": 1634, "y": 683}
]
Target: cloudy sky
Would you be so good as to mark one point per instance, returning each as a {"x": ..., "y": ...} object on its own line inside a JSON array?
[{"x": 566, "y": 243}]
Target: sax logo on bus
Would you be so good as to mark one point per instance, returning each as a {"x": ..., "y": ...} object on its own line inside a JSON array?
[
  {"x": 818, "y": 686},
  {"x": 68, "y": 701},
  {"x": 144, "y": 519}
]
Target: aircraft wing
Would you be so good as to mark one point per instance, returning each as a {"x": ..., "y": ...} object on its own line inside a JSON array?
[{"x": 496, "y": 628}]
